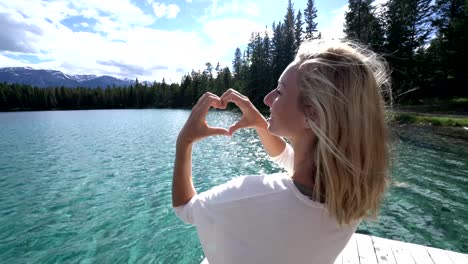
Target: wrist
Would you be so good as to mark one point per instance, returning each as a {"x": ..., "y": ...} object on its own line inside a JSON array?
[
  {"x": 262, "y": 125},
  {"x": 183, "y": 142}
]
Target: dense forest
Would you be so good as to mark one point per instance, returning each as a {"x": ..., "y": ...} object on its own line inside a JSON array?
[{"x": 424, "y": 42}]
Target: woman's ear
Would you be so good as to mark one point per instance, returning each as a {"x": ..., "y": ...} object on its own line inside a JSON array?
[
  {"x": 310, "y": 116},
  {"x": 306, "y": 123}
]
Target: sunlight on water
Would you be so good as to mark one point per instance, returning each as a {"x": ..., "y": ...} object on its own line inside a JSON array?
[{"x": 95, "y": 186}]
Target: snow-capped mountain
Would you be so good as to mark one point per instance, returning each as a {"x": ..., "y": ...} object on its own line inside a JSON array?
[
  {"x": 52, "y": 78},
  {"x": 82, "y": 78}
]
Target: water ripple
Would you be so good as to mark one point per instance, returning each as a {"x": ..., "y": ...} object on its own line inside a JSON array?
[{"x": 95, "y": 186}]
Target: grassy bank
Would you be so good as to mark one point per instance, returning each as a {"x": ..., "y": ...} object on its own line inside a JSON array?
[
  {"x": 453, "y": 106},
  {"x": 432, "y": 120}
]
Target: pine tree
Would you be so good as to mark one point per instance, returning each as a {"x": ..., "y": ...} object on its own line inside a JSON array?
[
  {"x": 310, "y": 14},
  {"x": 267, "y": 64},
  {"x": 236, "y": 63},
  {"x": 447, "y": 54},
  {"x": 277, "y": 55},
  {"x": 362, "y": 25},
  {"x": 209, "y": 69},
  {"x": 408, "y": 25},
  {"x": 298, "y": 29},
  {"x": 408, "y": 29},
  {"x": 289, "y": 44}
]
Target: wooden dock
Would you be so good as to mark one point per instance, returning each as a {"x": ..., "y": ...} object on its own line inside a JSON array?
[{"x": 365, "y": 249}]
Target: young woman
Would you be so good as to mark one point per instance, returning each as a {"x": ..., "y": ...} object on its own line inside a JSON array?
[{"x": 329, "y": 105}]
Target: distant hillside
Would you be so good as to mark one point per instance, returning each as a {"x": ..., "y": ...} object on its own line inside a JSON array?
[{"x": 51, "y": 78}]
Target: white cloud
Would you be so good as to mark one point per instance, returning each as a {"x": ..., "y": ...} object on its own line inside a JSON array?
[
  {"x": 16, "y": 31},
  {"x": 380, "y": 5},
  {"x": 122, "y": 11},
  {"x": 7, "y": 62},
  {"x": 227, "y": 8},
  {"x": 172, "y": 10},
  {"x": 124, "y": 45},
  {"x": 252, "y": 9},
  {"x": 234, "y": 7},
  {"x": 159, "y": 9},
  {"x": 188, "y": 1},
  {"x": 333, "y": 29},
  {"x": 228, "y": 34},
  {"x": 89, "y": 13},
  {"x": 163, "y": 10},
  {"x": 379, "y": 2}
]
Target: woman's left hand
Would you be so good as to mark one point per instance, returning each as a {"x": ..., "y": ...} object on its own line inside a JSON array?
[{"x": 196, "y": 127}]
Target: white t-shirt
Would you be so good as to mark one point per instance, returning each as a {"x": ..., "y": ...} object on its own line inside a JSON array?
[{"x": 264, "y": 219}]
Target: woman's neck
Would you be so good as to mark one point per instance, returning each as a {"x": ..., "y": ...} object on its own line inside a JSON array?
[{"x": 304, "y": 165}]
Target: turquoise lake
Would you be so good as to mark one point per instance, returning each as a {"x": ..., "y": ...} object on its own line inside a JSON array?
[{"x": 95, "y": 186}]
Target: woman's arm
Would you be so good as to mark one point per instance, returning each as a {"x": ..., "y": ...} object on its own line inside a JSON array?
[
  {"x": 182, "y": 185},
  {"x": 272, "y": 144},
  {"x": 195, "y": 128},
  {"x": 252, "y": 118}
]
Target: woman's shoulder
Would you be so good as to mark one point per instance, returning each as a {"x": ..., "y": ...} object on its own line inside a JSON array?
[
  {"x": 269, "y": 180},
  {"x": 263, "y": 182},
  {"x": 246, "y": 186}
]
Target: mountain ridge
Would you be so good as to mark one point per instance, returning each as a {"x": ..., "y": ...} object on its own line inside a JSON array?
[{"x": 53, "y": 78}]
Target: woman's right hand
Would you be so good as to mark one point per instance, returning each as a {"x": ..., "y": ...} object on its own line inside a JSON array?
[{"x": 251, "y": 117}]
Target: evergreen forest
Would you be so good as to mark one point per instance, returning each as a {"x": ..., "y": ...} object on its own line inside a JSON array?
[{"x": 424, "y": 42}]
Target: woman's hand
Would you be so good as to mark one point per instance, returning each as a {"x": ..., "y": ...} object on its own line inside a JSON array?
[
  {"x": 251, "y": 117},
  {"x": 195, "y": 127}
]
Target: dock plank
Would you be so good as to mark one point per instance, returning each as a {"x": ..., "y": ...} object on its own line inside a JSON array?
[
  {"x": 350, "y": 252},
  {"x": 457, "y": 258},
  {"x": 383, "y": 250},
  {"x": 365, "y": 249},
  {"x": 420, "y": 254},
  {"x": 401, "y": 252},
  {"x": 439, "y": 256}
]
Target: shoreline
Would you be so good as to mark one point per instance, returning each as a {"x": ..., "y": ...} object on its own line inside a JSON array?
[
  {"x": 403, "y": 117},
  {"x": 431, "y": 119}
]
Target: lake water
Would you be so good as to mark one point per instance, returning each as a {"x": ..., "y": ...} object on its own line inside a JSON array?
[{"x": 95, "y": 186}]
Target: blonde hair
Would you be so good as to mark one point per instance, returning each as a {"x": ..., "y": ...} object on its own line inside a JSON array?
[{"x": 342, "y": 87}]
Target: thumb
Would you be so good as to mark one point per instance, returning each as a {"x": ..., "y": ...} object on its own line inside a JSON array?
[
  {"x": 214, "y": 131},
  {"x": 236, "y": 127}
]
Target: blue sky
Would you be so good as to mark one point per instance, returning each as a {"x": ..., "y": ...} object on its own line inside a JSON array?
[{"x": 145, "y": 39}]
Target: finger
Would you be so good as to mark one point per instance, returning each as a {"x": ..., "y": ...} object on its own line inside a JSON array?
[
  {"x": 200, "y": 110},
  {"x": 217, "y": 103},
  {"x": 204, "y": 96},
  {"x": 232, "y": 91},
  {"x": 228, "y": 91},
  {"x": 208, "y": 102},
  {"x": 235, "y": 98},
  {"x": 213, "y": 131},
  {"x": 224, "y": 95},
  {"x": 236, "y": 127},
  {"x": 211, "y": 94},
  {"x": 222, "y": 104},
  {"x": 201, "y": 98}
]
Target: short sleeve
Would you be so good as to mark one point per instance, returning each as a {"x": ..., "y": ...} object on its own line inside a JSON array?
[
  {"x": 199, "y": 210},
  {"x": 184, "y": 212},
  {"x": 285, "y": 159}
]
